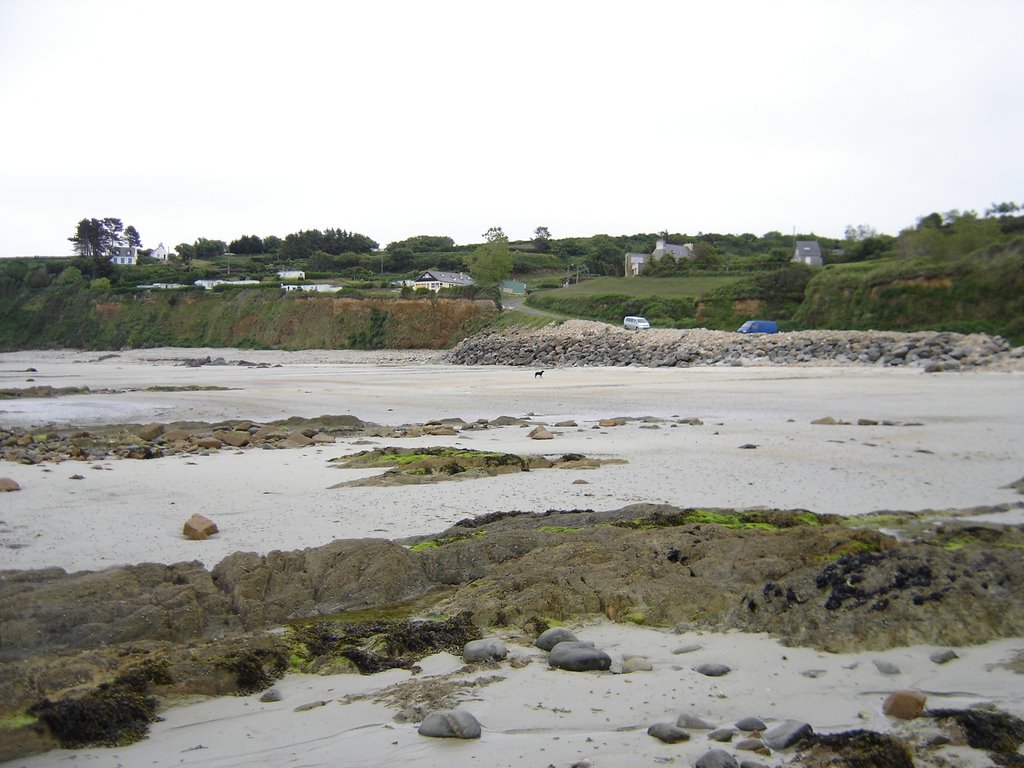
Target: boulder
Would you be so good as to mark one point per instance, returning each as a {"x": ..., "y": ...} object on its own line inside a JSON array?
[
  {"x": 787, "y": 733},
  {"x": 905, "y": 705},
  {"x": 7, "y": 484},
  {"x": 456, "y": 724},
  {"x": 713, "y": 670},
  {"x": 716, "y": 758},
  {"x": 694, "y": 722},
  {"x": 150, "y": 432},
  {"x": 574, "y": 658},
  {"x": 611, "y": 422},
  {"x": 481, "y": 650},
  {"x": 297, "y": 440},
  {"x": 549, "y": 638},
  {"x": 209, "y": 442},
  {"x": 199, "y": 527},
  {"x": 233, "y": 437},
  {"x": 750, "y": 724},
  {"x": 541, "y": 433},
  {"x": 668, "y": 733}
]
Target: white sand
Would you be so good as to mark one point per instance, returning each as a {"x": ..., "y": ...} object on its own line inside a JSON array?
[{"x": 968, "y": 445}]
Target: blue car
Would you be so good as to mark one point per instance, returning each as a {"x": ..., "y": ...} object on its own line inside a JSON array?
[{"x": 758, "y": 326}]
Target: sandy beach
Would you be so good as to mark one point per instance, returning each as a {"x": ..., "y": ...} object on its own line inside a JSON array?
[{"x": 942, "y": 441}]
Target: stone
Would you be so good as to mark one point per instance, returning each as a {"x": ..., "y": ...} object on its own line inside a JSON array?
[
  {"x": 455, "y": 724},
  {"x": 199, "y": 527},
  {"x": 233, "y": 438},
  {"x": 722, "y": 734},
  {"x": 905, "y": 705},
  {"x": 668, "y": 733},
  {"x": 716, "y": 758},
  {"x": 569, "y": 423},
  {"x": 752, "y": 744},
  {"x": 310, "y": 705},
  {"x": 694, "y": 722},
  {"x": 150, "y": 432},
  {"x": 786, "y": 734},
  {"x": 688, "y": 648},
  {"x": 481, "y": 650},
  {"x": 175, "y": 435},
  {"x": 209, "y": 442},
  {"x": 572, "y": 658},
  {"x": 611, "y": 422},
  {"x": 540, "y": 433},
  {"x": 297, "y": 440},
  {"x": 549, "y": 638},
  {"x": 750, "y": 724},
  {"x": 273, "y": 694},
  {"x": 826, "y": 421},
  {"x": 7, "y": 485},
  {"x": 713, "y": 670},
  {"x": 944, "y": 656},
  {"x": 886, "y": 667}
]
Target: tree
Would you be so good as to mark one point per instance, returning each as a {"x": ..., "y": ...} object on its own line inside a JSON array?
[
  {"x": 132, "y": 236},
  {"x": 248, "y": 245},
  {"x": 1002, "y": 209},
  {"x": 495, "y": 235},
  {"x": 491, "y": 262},
  {"x": 542, "y": 239}
]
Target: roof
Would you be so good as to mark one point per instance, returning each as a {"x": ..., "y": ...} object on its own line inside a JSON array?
[
  {"x": 452, "y": 278},
  {"x": 808, "y": 248}
]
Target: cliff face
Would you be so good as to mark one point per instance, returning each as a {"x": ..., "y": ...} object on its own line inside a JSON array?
[{"x": 248, "y": 318}]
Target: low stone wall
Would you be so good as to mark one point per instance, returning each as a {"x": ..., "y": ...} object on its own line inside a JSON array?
[{"x": 584, "y": 343}]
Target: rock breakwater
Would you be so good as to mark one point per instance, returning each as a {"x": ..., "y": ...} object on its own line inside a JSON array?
[{"x": 583, "y": 343}]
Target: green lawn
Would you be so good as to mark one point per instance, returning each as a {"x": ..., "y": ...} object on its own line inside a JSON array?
[{"x": 661, "y": 287}]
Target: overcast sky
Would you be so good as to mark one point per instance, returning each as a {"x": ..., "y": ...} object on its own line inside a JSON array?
[{"x": 218, "y": 118}]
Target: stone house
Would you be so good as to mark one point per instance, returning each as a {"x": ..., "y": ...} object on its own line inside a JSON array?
[
  {"x": 807, "y": 252},
  {"x": 636, "y": 262}
]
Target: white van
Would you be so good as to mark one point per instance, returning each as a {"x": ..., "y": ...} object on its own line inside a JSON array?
[{"x": 636, "y": 323}]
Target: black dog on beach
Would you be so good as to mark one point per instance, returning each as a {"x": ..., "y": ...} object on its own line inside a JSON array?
[{"x": 538, "y": 374}]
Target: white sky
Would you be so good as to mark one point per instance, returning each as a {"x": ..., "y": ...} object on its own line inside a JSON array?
[{"x": 218, "y": 118}]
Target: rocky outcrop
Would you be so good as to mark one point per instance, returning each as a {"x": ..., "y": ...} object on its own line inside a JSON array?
[
  {"x": 584, "y": 343},
  {"x": 348, "y": 574},
  {"x": 807, "y": 579},
  {"x": 50, "y": 610}
]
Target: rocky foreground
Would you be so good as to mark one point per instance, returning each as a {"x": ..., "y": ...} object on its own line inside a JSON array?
[
  {"x": 585, "y": 343},
  {"x": 810, "y": 580}
]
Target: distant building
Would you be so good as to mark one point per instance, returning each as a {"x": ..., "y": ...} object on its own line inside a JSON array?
[
  {"x": 312, "y": 287},
  {"x": 807, "y": 252},
  {"x": 211, "y": 284},
  {"x": 513, "y": 287},
  {"x": 434, "y": 280},
  {"x": 636, "y": 262},
  {"x": 124, "y": 255},
  {"x": 291, "y": 274},
  {"x": 160, "y": 253}
]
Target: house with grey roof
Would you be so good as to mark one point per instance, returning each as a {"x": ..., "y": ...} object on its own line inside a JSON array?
[
  {"x": 807, "y": 252},
  {"x": 434, "y": 280},
  {"x": 635, "y": 262}
]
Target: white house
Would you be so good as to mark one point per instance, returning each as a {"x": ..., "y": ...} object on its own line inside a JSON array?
[
  {"x": 211, "y": 284},
  {"x": 807, "y": 252},
  {"x": 291, "y": 274},
  {"x": 312, "y": 287},
  {"x": 635, "y": 262},
  {"x": 125, "y": 255},
  {"x": 160, "y": 253},
  {"x": 434, "y": 280}
]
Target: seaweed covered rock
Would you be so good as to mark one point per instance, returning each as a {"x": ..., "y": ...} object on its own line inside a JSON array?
[{"x": 855, "y": 749}]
